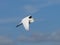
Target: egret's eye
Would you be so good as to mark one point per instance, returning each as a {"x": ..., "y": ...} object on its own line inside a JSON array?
[{"x": 30, "y": 16}]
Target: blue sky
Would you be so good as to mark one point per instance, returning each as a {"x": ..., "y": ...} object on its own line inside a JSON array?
[{"x": 44, "y": 31}]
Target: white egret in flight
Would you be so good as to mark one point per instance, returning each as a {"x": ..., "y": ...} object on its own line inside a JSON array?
[{"x": 26, "y": 21}]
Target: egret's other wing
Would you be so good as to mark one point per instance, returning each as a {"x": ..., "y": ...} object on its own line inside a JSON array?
[{"x": 26, "y": 24}]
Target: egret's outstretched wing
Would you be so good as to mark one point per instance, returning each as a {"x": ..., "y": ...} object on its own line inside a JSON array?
[
  {"x": 26, "y": 24},
  {"x": 19, "y": 25}
]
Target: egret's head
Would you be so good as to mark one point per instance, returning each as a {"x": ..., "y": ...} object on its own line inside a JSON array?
[{"x": 31, "y": 19}]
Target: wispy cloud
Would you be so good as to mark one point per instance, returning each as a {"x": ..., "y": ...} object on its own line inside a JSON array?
[
  {"x": 48, "y": 1},
  {"x": 30, "y": 9},
  {"x": 54, "y": 1},
  {"x": 41, "y": 37},
  {"x": 5, "y": 41},
  {"x": 38, "y": 4},
  {"x": 7, "y": 20}
]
